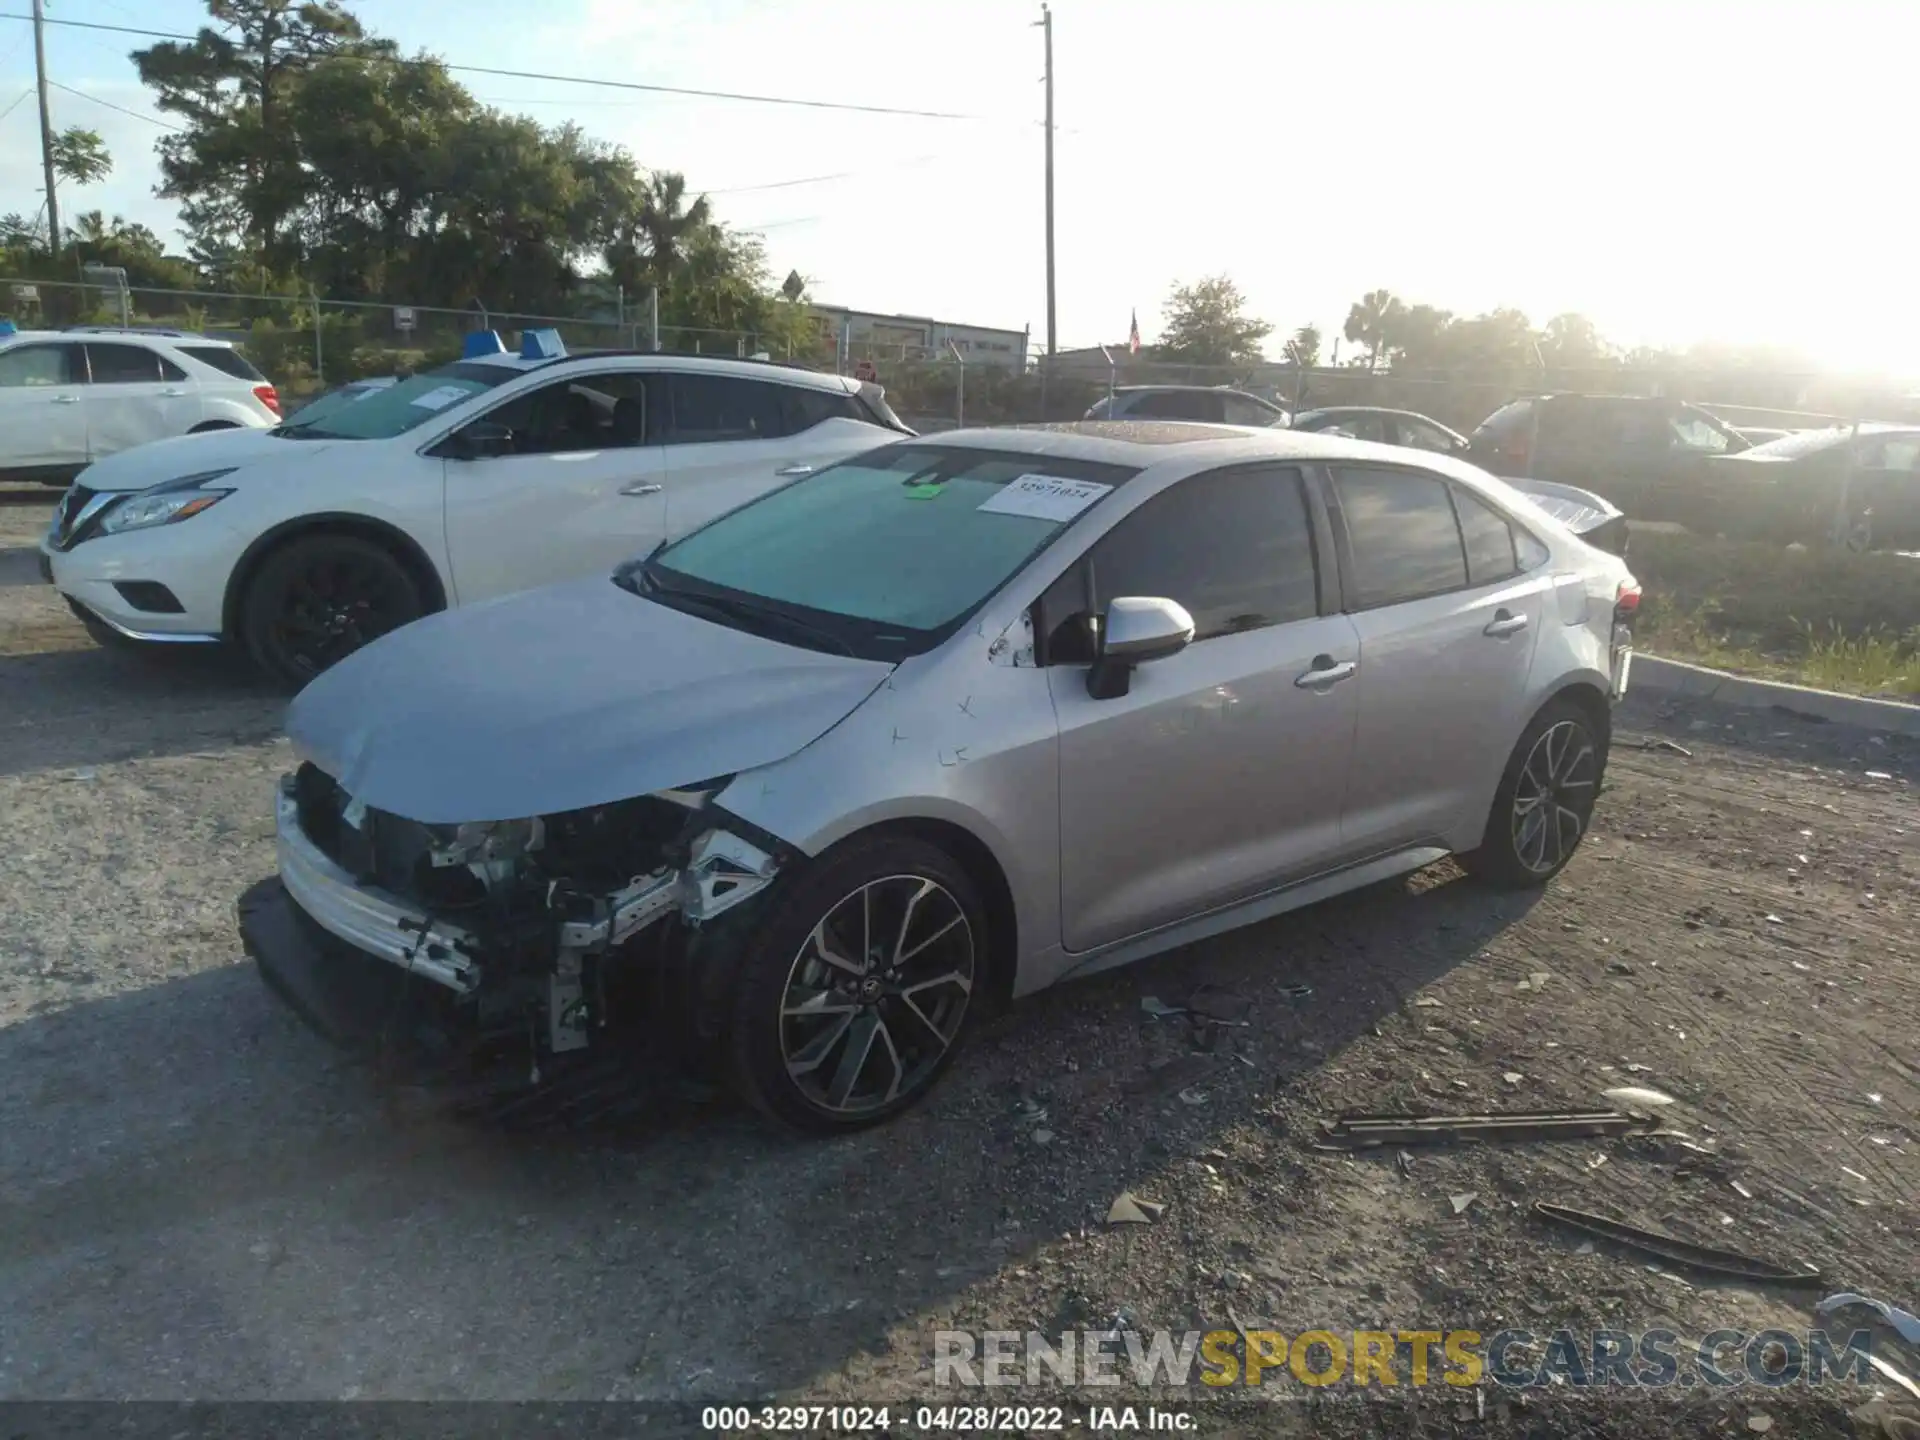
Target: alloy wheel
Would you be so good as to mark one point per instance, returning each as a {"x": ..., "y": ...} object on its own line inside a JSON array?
[
  {"x": 1554, "y": 796},
  {"x": 332, "y": 607},
  {"x": 876, "y": 995}
]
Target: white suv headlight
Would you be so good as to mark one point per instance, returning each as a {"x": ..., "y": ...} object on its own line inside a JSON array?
[{"x": 163, "y": 504}]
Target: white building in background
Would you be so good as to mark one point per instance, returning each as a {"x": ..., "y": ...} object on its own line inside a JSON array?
[{"x": 918, "y": 337}]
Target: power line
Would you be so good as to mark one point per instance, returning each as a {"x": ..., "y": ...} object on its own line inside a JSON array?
[
  {"x": 16, "y": 102},
  {"x": 150, "y": 119},
  {"x": 786, "y": 100}
]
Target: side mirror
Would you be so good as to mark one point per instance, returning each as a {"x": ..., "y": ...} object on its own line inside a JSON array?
[
  {"x": 479, "y": 440},
  {"x": 1135, "y": 629}
]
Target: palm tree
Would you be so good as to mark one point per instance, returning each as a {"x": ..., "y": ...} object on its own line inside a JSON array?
[
  {"x": 1304, "y": 348},
  {"x": 664, "y": 222},
  {"x": 1372, "y": 321}
]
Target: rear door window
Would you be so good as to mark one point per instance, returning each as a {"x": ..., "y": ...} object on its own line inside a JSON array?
[
  {"x": 122, "y": 364},
  {"x": 1243, "y": 410},
  {"x": 1403, "y": 534},
  {"x": 717, "y": 408},
  {"x": 1419, "y": 435}
]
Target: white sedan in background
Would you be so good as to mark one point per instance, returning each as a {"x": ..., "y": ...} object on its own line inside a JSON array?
[{"x": 493, "y": 474}]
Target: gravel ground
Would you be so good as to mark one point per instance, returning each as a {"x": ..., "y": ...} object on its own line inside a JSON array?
[{"x": 199, "y": 1201}]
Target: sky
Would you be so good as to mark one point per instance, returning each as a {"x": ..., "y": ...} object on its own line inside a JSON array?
[{"x": 1683, "y": 171}]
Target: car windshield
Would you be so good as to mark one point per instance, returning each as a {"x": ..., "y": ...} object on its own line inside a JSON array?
[
  {"x": 333, "y": 400},
  {"x": 382, "y": 414},
  {"x": 1803, "y": 442},
  {"x": 887, "y": 554}
]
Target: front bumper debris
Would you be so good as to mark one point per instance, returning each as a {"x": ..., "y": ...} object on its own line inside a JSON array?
[{"x": 370, "y": 920}]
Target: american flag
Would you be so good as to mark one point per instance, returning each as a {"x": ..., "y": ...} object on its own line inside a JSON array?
[{"x": 1133, "y": 334}]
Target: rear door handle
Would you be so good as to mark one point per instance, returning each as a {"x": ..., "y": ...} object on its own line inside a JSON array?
[
  {"x": 1505, "y": 623},
  {"x": 66, "y": 399},
  {"x": 1325, "y": 672},
  {"x": 641, "y": 487},
  {"x": 792, "y": 471}
]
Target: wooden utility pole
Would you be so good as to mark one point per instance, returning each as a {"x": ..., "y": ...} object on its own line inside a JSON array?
[{"x": 46, "y": 134}]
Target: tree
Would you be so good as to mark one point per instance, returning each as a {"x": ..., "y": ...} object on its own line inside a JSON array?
[
  {"x": 1304, "y": 348},
  {"x": 1371, "y": 322},
  {"x": 81, "y": 156},
  {"x": 235, "y": 167},
  {"x": 1572, "y": 341},
  {"x": 1420, "y": 337},
  {"x": 1207, "y": 324}
]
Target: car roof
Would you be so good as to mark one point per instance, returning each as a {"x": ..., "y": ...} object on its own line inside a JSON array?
[
  {"x": 1368, "y": 410},
  {"x": 1193, "y": 389},
  {"x": 77, "y": 334},
  {"x": 1147, "y": 443},
  {"x": 670, "y": 360}
]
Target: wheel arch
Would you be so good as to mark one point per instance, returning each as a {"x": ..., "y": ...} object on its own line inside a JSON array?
[
  {"x": 404, "y": 547},
  {"x": 208, "y": 425},
  {"x": 1591, "y": 699}
]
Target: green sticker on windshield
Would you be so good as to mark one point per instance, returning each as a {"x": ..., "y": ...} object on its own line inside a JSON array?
[{"x": 921, "y": 492}]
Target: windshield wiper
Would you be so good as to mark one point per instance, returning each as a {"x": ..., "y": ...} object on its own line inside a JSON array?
[
  {"x": 305, "y": 430},
  {"x": 729, "y": 607}
]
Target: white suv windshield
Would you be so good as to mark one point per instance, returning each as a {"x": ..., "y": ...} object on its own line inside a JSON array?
[
  {"x": 910, "y": 538},
  {"x": 382, "y": 414}
]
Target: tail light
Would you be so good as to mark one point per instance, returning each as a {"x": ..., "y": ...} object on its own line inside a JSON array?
[
  {"x": 1515, "y": 453},
  {"x": 267, "y": 396},
  {"x": 1626, "y": 602}
]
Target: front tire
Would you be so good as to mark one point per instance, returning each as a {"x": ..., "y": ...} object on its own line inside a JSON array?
[
  {"x": 319, "y": 598},
  {"x": 854, "y": 994},
  {"x": 1545, "y": 801}
]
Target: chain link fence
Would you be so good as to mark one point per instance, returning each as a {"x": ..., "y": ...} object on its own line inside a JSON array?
[{"x": 308, "y": 343}]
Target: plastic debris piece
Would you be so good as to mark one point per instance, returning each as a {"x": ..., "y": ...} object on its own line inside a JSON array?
[
  {"x": 1904, "y": 1322},
  {"x": 1742, "y": 1191},
  {"x": 1878, "y": 775},
  {"x": 1427, "y": 1002},
  {"x": 1462, "y": 1201},
  {"x": 1191, "y": 1096},
  {"x": 1159, "y": 1008},
  {"x": 1042, "y": 1137},
  {"x": 1759, "y": 1422},
  {"x": 1513, "y": 1077},
  {"x": 1130, "y": 1209}
]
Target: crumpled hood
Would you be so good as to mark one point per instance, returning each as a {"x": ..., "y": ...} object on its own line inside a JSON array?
[
  {"x": 555, "y": 699},
  {"x": 162, "y": 460}
]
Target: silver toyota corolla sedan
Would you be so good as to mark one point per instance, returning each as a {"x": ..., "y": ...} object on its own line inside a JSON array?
[{"x": 931, "y": 729}]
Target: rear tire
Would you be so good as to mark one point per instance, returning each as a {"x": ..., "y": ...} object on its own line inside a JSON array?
[
  {"x": 1545, "y": 801},
  {"x": 319, "y": 598},
  {"x": 855, "y": 992}
]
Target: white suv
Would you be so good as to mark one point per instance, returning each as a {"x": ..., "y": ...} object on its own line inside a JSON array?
[
  {"x": 68, "y": 397},
  {"x": 493, "y": 474}
]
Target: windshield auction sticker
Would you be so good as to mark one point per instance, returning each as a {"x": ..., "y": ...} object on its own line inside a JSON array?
[{"x": 1045, "y": 497}]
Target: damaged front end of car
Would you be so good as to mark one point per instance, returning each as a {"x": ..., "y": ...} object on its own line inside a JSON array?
[{"x": 530, "y": 940}]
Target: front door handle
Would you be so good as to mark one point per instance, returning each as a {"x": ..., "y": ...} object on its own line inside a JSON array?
[
  {"x": 789, "y": 472},
  {"x": 1325, "y": 672},
  {"x": 1505, "y": 623},
  {"x": 640, "y": 487},
  {"x": 66, "y": 400},
  {"x": 173, "y": 393}
]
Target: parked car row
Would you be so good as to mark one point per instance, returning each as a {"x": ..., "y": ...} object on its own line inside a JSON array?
[
  {"x": 1663, "y": 460},
  {"x": 654, "y": 702}
]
